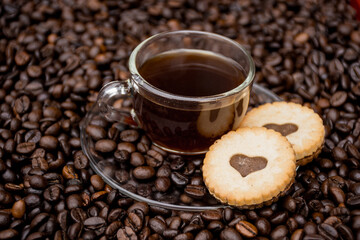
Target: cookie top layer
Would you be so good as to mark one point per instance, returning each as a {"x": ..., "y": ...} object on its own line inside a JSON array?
[
  {"x": 301, "y": 125},
  {"x": 249, "y": 166}
]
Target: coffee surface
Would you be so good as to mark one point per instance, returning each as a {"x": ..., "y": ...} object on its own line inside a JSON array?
[{"x": 192, "y": 73}]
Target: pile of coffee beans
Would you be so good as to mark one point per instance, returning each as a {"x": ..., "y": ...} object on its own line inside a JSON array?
[{"x": 56, "y": 55}]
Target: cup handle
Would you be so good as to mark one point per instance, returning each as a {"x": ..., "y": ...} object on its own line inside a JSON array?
[{"x": 112, "y": 92}]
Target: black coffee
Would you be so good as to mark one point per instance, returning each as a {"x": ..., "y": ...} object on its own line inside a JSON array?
[{"x": 190, "y": 73}]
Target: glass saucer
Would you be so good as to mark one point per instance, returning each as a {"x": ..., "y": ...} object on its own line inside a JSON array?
[{"x": 119, "y": 174}]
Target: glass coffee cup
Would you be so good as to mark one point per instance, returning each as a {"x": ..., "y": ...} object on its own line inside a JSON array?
[{"x": 188, "y": 89}]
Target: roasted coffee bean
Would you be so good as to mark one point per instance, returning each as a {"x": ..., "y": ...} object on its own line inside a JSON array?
[
  {"x": 26, "y": 147},
  {"x": 178, "y": 179},
  {"x": 48, "y": 142},
  {"x": 195, "y": 191},
  {"x": 230, "y": 233},
  {"x": 126, "y": 233},
  {"x": 344, "y": 232},
  {"x": 184, "y": 236},
  {"x": 5, "y": 220},
  {"x": 129, "y": 135},
  {"x": 157, "y": 225},
  {"x": 105, "y": 145},
  {"x": 143, "y": 172},
  {"x": 96, "y": 132},
  {"x": 204, "y": 235},
  {"x": 74, "y": 201},
  {"x": 112, "y": 229},
  {"x": 162, "y": 184},
  {"x": 97, "y": 182},
  {"x": 297, "y": 235},
  {"x": 81, "y": 161},
  {"x": 353, "y": 201},
  {"x": 263, "y": 226},
  {"x": 246, "y": 229},
  {"x": 18, "y": 209},
  {"x": 94, "y": 223},
  {"x": 279, "y": 232},
  {"x": 327, "y": 231},
  {"x": 38, "y": 182}
]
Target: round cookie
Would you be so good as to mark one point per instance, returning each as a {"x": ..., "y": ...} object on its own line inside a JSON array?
[
  {"x": 249, "y": 167},
  {"x": 301, "y": 125}
]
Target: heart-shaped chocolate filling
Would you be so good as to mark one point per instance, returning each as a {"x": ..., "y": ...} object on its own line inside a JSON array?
[
  {"x": 246, "y": 165},
  {"x": 285, "y": 129}
]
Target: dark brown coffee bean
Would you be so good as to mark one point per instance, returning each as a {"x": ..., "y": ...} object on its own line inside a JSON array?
[
  {"x": 338, "y": 99},
  {"x": 22, "y": 104},
  {"x": 38, "y": 182},
  {"x": 52, "y": 193},
  {"x": 353, "y": 201},
  {"x": 48, "y": 142},
  {"x": 355, "y": 175},
  {"x": 5, "y": 220},
  {"x": 81, "y": 161},
  {"x": 162, "y": 184},
  {"x": 339, "y": 154},
  {"x": 230, "y": 234},
  {"x": 157, "y": 225},
  {"x": 32, "y": 200},
  {"x": 105, "y": 145},
  {"x": 97, "y": 182},
  {"x": 178, "y": 179},
  {"x": 96, "y": 132},
  {"x": 327, "y": 231},
  {"x": 74, "y": 201},
  {"x": 184, "y": 236},
  {"x": 94, "y": 223},
  {"x": 279, "y": 232},
  {"x": 52, "y": 113},
  {"x": 345, "y": 232},
  {"x": 204, "y": 235},
  {"x": 195, "y": 191},
  {"x": 142, "y": 206},
  {"x": 337, "y": 194},
  {"x": 143, "y": 172},
  {"x": 297, "y": 234},
  {"x": 279, "y": 217},
  {"x": 355, "y": 72},
  {"x": 8, "y": 234},
  {"x": 34, "y": 71},
  {"x": 137, "y": 159},
  {"x": 129, "y": 135},
  {"x": 263, "y": 226},
  {"x": 126, "y": 233},
  {"x": 33, "y": 136},
  {"x": 112, "y": 229},
  {"x": 135, "y": 220},
  {"x": 22, "y": 58},
  {"x": 39, "y": 220},
  {"x": 246, "y": 229},
  {"x": 26, "y": 147}
]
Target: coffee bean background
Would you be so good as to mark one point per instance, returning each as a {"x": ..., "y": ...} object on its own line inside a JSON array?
[{"x": 56, "y": 55}]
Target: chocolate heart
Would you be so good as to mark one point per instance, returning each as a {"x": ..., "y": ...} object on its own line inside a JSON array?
[
  {"x": 285, "y": 129},
  {"x": 246, "y": 165}
]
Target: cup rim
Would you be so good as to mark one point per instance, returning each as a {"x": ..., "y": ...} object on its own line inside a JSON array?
[{"x": 139, "y": 80}]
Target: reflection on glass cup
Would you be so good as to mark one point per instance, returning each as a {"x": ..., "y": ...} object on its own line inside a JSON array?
[{"x": 188, "y": 89}]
